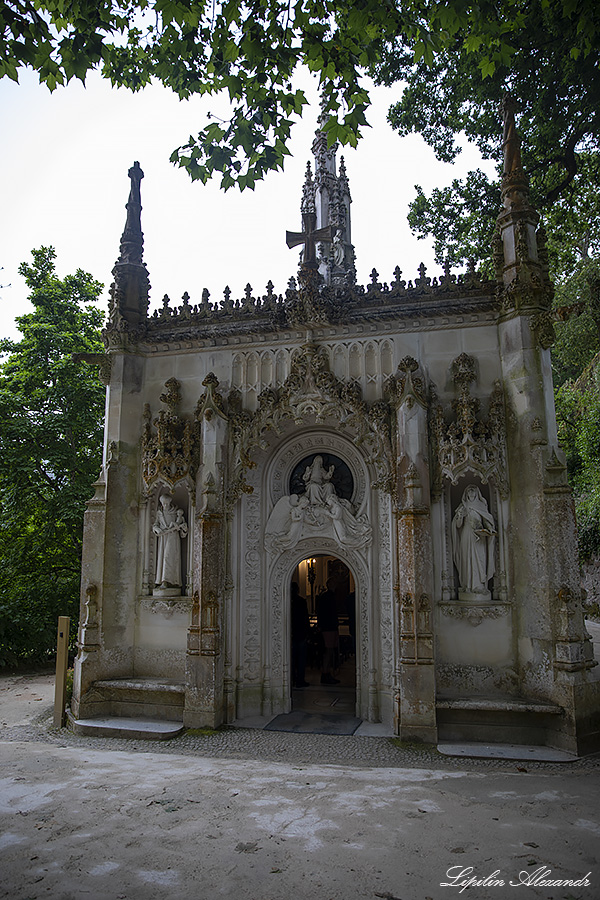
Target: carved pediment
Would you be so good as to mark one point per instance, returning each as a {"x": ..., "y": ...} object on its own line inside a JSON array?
[{"x": 311, "y": 392}]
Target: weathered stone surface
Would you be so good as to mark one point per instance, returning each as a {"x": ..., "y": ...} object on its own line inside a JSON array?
[{"x": 433, "y": 400}]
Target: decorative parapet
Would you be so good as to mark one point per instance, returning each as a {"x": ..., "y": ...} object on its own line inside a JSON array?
[
  {"x": 469, "y": 443},
  {"x": 302, "y": 303}
]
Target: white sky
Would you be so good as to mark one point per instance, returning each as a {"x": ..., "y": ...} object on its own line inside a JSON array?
[{"x": 64, "y": 159}]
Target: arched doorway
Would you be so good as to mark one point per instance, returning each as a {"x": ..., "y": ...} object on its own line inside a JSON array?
[{"x": 323, "y": 637}]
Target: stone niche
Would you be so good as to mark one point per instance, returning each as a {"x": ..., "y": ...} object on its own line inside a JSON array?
[
  {"x": 163, "y": 610},
  {"x": 475, "y": 622},
  {"x": 158, "y": 580}
]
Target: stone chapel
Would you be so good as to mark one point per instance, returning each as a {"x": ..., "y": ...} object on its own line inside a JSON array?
[{"x": 394, "y": 442}]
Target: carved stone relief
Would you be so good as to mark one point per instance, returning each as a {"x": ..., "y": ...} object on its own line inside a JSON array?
[
  {"x": 166, "y": 608},
  {"x": 386, "y": 601},
  {"x": 474, "y": 615},
  {"x": 172, "y": 451},
  {"x": 328, "y": 444},
  {"x": 317, "y": 512},
  {"x": 252, "y": 581},
  {"x": 469, "y": 444}
]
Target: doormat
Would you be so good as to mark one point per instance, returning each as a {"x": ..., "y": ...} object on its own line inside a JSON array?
[{"x": 301, "y": 722}]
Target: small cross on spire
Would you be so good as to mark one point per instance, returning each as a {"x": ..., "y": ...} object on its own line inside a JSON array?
[{"x": 310, "y": 237}]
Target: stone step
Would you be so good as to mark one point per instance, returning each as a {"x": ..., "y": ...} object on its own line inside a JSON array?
[
  {"x": 519, "y": 752},
  {"x": 129, "y": 728}
]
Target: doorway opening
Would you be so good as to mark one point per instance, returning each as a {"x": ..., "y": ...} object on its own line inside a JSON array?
[{"x": 323, "y": 637}]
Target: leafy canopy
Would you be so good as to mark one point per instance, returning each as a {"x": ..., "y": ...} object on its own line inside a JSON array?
[
  {"x": 252, "y": 49},
  {"x": 51, "y": 412},
  {"x": 554, "y": 74}
]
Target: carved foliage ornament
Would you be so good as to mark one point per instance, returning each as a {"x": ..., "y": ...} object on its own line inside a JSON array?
[
  {"x": 311, "y": 304},
  {"x": 310, "y": 391},
  {"x": 474, "y": 615},
  {"x": 543, "y": 328},
  {"x": 171, "y": 450},
  {"x": 407, "y": 386},
  {"x": 469, "y": 443}
]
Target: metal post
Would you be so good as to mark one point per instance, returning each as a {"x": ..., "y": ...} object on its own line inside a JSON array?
[{"x": 62, "y": 661}]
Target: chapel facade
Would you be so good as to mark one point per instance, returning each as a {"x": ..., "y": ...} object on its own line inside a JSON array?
[{"x": 396, "y": 439}]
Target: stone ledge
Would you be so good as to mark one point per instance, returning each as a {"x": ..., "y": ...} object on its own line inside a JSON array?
[
  {"x": 142, "y": 684},
  {"x": 507, "y": 705}
]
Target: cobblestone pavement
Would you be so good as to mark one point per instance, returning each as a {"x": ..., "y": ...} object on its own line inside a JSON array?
[{"x": 270, "y": 746}]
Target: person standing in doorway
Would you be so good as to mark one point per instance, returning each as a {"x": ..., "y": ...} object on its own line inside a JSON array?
[
  {"x": 327, "y": 620},
  {"x": 300, "y": 631}
]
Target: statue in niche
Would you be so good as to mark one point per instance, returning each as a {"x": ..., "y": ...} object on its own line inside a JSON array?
[
  {"x": 473, "y": 542},
  {"x": 170, "y": 528},
  {"x": 337, "y": 251},
  {"x": 319, "y": 512}
]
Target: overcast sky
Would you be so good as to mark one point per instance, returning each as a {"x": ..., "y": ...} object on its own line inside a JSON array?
[{"x": 64, "y": 159}]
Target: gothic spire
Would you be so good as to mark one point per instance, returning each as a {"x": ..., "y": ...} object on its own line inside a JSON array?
[
  {"x": 308, "y": 192},
  {"x": 130, "y": 289},
  {"x": 132, "y": 239},
  {"x": 328, "y": 196},
  {"x": 518, "y": 245}
]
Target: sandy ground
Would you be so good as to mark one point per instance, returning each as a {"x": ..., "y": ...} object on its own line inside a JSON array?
[
  {"x": 24, "y": 697},
  {"x": 83, "y": 822}
]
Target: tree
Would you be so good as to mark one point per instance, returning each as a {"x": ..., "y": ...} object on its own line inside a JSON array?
[
  {"x": 578, "y": 417},
  {"x": 51, "y": 411},
  {"x": 252, "y": 49},
  {"x": 556, "y": 83}
]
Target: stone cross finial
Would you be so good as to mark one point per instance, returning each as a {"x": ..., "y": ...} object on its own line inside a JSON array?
[{"x": 310, "y": 236}]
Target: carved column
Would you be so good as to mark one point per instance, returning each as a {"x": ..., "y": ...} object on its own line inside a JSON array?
[
  {"x": 204, "y": 702},
  {"x": 554, "y": 655},
  {"x": 415, "y": 712},
  {"x": 110, "y": 555}
]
